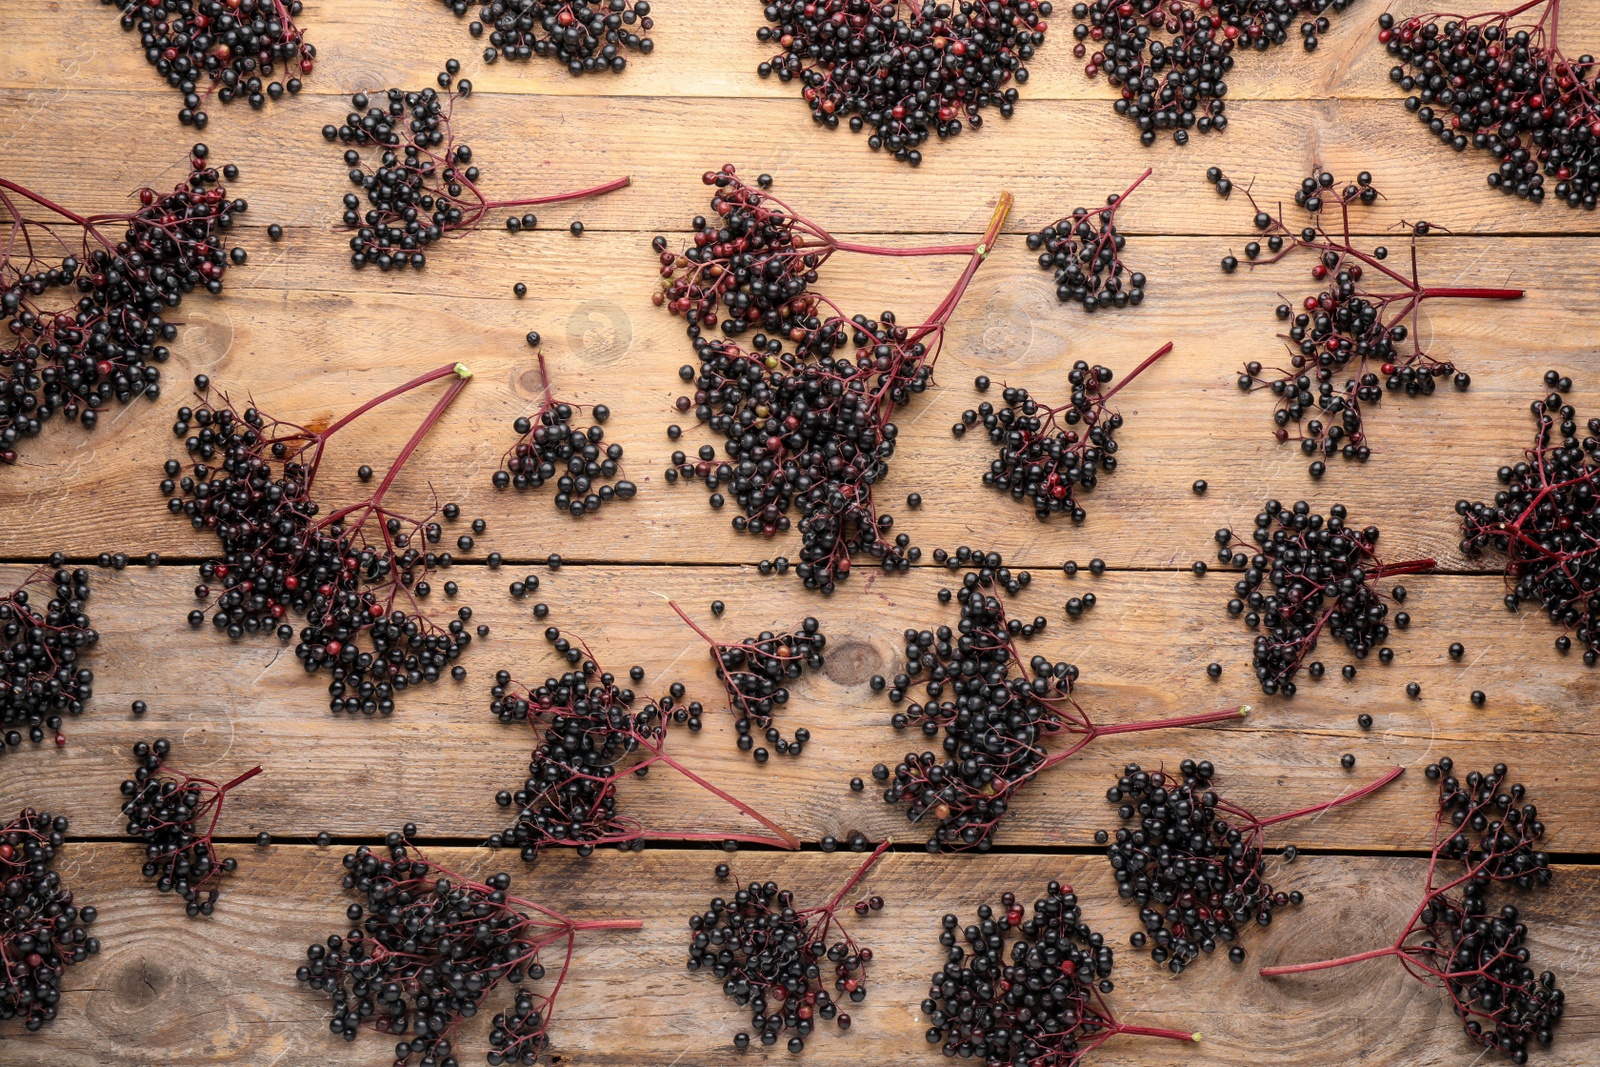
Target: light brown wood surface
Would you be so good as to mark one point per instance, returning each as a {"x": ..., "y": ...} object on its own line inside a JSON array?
[
  {"x": 630, "y": 1001},
  {"x": 86, "y": 120}
]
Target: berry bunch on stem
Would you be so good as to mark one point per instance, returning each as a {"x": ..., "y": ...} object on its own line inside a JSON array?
[
  {"x": 551, "y": 448},
  {"x": 1485, "y": 836},
  {"x": 777, "y": 959},
  {"x": 1048, "y": 455},
  {"x": 755, "y": 671},
  {"x": 42, "y": 930},
  {"x": 232, "y": 47},
  {"x": 42, "y": 676},
  {"x": 592, "y": 733},
  {"x": 808, "y": 425},
  {"x": 755, "y": 260},
  {"x": 422, "y": 185},
  {"x": 175, "y": 814},
  {"x": 86, "y": 298},
  {"x": 586, "y": 36},
  {"x": 909, "y": 70},
  {"x": 356, "y": 574},
  {"x": 1324, "y": 577},
  {"x": 429, "y": 947},
  {"x": 1196, "y": 863},
  {"x": 1498, "y": 81},
  {"x": 997, "y": 713},
  {"x": 1027, "y": 989},
  {"x": 1357, "y": 337},
  {"x": 1170, "y": 58},
  {"x": 1545, "y": 520},
  {"x": 1084, "y": 250}
]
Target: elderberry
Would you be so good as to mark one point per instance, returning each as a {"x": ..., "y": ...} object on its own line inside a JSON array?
[
  {"x": 1324, "y": 577},
  {"x": 42, "y": 930},
  {"x": 909, "y": 71},
  {"x": 237, "y": 46},
  {"x": 42, "y": 676},
  {"x": 1084, "y": 250},
  {"x": 1049, "y": 455},
  {"x": 576, "y": 458},
  {"x": 585, "y": 36}
]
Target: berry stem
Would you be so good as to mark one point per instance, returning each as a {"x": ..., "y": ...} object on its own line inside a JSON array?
[
  {"x": 445, "y": 371},
  {"x": 245, "y": 777},
  {"x": 1126, "y": 378},
  {"x": 1366, "y": 790},
  {"x": 1112, "y": 208},
  {"x": 1471, "y": 294},
  {"x": 1322, "y": 965},
  {"x": 785, "y": 838},
  {"x": 556, "y": 198},
  {"x": 1161, "y": 724},
  {"x": 861, "y": 873},
  {"x": 1156, "y": 1031},
  {"x": 607, "y": 924},
  {"x": 463, "y": 376},
  {"x": 980, "y": 252}
]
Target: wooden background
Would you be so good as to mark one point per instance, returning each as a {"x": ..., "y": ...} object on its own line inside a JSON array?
[{"x": 85, "y": 120}]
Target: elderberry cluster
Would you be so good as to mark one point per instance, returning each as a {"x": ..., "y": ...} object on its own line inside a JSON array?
[
  {"x": 1544, "y": 519},
  {"x": 235, "y": 45},
  {"x": 42, "y": 930},
  {"x": 908, "y": 70},
  {"x": 1171, "y": 58},
  {"x": 809, "y": 429},
  {"x": 418, "y": 191},
  {"x": 42, "y": 676},
  {"x": 752, "y": 263},
  {"x": 779, "y": 961},
  {"x": 1048, "y": 455},
  {"x": 91, "y": 327},
  {"x": 426, "y": 950},
  {"x": 1505, "y": 89},
  {"x": 1020, "y": 988},
  {"x": 551, "y": 448},
  {"x": 754, "y": 672},
  {"x": 1084, "y": 250},
  {"x": 589, "y": 733},
  {"x": 1323, "y": 577},
  {"x": 994, "y": 716},
  {"x": 587, "y": 36},
  {"x": 1197, "y": 872},
  {"x": 1480, "y": 950},
  {"x": 175, "y": 816},
  {"x": 356, "y": 576},
  {"x": 1352, "y": 341}
]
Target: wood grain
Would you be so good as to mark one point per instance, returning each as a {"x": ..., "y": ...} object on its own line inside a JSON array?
[
  {"x": 84, "y": 119},
  {"x": 303, "y": 339},
  {"x": 704, "y": 49},
  {"x": 1053, "y": 155},
  {"x": 1142, "y": 650},
  {"x": 222, "y": 991}
]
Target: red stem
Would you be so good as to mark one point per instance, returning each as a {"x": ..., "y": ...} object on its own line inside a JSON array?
[
  {"x": 432, "y": 376},
  {"x": 609, "y": 924},
  {"x": 786, "y": 839},
  {"x": 1322, "y": 965},
  {"x": 47, "y": 203},
  {"x": 980, "y": 252},
  {"x": 245, "y": 777},
  {"x": 877, "y": 854},
  {"x": 1471, "y": 294},
  {"x": 1155, "y": 1031},
  {"x": 1160, "y": 724},
  {"x": 556, "y": 198},
  {"x": 463, "y": 377},
  {"x": 1366, "y": 790},
  {"x": 1126, "y": 378},
  {"x": 1128, "y": 192}
]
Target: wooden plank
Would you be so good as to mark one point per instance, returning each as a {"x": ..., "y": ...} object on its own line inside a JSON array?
[
  {"x": 539, "y": 145},
  {"x": 1142, "y": 650},
  {"x": 222, "y": 990},
  {"x": 702, "y": 50},
  {"x": 308, "y": 338}
]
